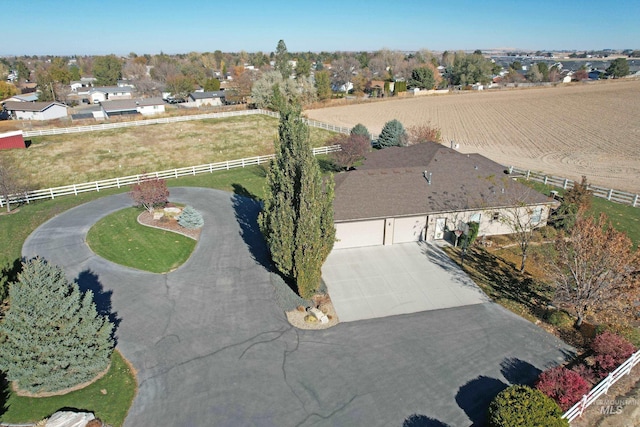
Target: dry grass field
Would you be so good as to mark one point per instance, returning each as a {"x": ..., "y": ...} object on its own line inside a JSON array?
[
  {"x": 83, "y": 157},
  {"x": 566, "y": 131}
]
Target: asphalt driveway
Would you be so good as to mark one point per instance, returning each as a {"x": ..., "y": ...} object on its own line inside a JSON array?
[
  {"x": 210, "y": 346},
  {"x": 381, "y": 281}
]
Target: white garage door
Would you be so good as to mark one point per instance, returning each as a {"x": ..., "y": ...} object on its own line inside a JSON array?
[
  {"x": 361, "y": 233},
  {"x": 408, "y": 229}
]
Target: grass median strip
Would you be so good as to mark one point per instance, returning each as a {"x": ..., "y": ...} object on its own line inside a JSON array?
[{"x": 121, "y": 239}]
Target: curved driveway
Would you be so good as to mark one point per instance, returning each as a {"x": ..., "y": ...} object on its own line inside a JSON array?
[{"x": 211, "y": 347}]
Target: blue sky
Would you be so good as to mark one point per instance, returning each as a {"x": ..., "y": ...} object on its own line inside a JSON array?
[{"x": 66, "y": 27}]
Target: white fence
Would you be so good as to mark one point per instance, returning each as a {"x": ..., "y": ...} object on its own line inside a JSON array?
[
  {"x": 163, "y": 120},
  {"x": 75, "y": 189},
  {"x": 605, "y": 193},
  {"x": 602, "y": 387}
]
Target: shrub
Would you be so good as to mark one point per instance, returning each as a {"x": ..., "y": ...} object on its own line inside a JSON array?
[
  {"x": 424, "y": 133},
  {"x": 190, "y": 218},
  {"x": 393, "y": 134},
  {"x": 361, "y": 129},
  {"x": 560, "y": 319},
  {"x": 562, "y": 385},
  {"x": 520, "y": 406},
  {"x": 610, "y": 351},
  {"x": 150, "y": 193},
  {"x": 353, "y": 148}
]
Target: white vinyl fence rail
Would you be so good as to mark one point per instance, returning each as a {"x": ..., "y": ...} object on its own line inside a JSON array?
[
  {"x": 612, "y": 195},
  {"x": 602, "y": 388},
  {"x": 75, "y": 189},
  {"x": 164, "y": 120}
]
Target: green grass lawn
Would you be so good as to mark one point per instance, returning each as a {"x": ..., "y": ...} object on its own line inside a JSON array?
[
  {"x": 624, "y": 218},
  {"x": 121, "y": 239},
  {"x": 109, "y": 398}
]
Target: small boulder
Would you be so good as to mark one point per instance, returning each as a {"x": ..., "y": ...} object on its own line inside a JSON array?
[
  {"x": 69, "y": 419},
  {"x": 318, "y": 314}
]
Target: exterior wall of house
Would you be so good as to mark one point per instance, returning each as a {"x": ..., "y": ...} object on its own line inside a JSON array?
[
  {"x": 150, "y": 110},
  {"x": 209, "y": 102},
  {"x": 53, "y": 112},
  {"x": 119, "y": 95},
  {"x": 96, "y": 97}
]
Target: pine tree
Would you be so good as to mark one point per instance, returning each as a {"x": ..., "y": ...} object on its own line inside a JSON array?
[
  {"x": 190, "y": 218},
  {"x": 393, "y": 134},
  {"x": 297, "y": 219},
  {"x": 52, "y": 336}
]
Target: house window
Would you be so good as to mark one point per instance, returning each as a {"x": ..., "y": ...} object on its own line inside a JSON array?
[
  {"x": 495, "y": 216},
  {"x": 475, "y": 218},
  {"x": 536, "y": 215}
]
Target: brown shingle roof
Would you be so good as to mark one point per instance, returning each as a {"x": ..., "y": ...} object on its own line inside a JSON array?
[
  {"x": 393, "y": 182},
  {"x": 30, "y": 106}
]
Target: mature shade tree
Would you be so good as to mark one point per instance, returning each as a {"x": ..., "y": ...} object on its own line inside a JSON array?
[
  {"x": 303, "y": 68},
  {"x": 23, "y": 71},
  {"x": 150, "y": 192},
  {"x": 619, "y": 67},
  {"x": 7, "y": 90},
  {"x": 211, "y": 85},
  {"x": 393, "y": 134},
  {"x": 179, "y": 86},
  {"x": 282, "y": 57},
  {"x": 581, "y": 74},
  {"x": 596, "y": 269},
  {"x": 342, "y": 72},
  {"x": 353, "y": 148},
  {"x": 543, "y": 68},
  {"x": 297, "y": 218},
  {"x": 470, "y": 69},
  {"x": 323, "y": 85},
  {"x": 107, "y": 70},
  {"x": 422, "y": 78},
  {"x": 53, "y": 336},
  {"x": 262, "y": 91}
]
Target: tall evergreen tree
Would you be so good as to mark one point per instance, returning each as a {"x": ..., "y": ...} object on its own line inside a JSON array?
[
  {"x": 52, "y": 336},
  {"x": 297, "y": 219},
  {"x": 282, "y": 60}
]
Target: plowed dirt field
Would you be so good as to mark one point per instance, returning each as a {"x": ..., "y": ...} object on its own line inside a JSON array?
[{"x": 567, "y": 131}]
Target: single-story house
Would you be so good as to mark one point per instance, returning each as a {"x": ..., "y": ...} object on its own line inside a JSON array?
[
  {"x": 200, "y": 99},
  {"x": 84, "y": 82},
  {"x": 29, "y": 97},
  {"x": 427, "y": 192},
  {"x": 99, "y": 94},
  {"x": 35, "y": 110},
  {"x": 122, "y": 107},
  {"x": 13, "y": 139}
]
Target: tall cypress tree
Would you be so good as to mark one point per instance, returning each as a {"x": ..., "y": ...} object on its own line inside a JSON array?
[
  {"x": 53, "y": 337},
  {"x": 297, "y": 219}
]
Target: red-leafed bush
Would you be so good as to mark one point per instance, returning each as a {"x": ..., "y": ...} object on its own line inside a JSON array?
[
  {"x": 562, "y": 385},
  {"x": 610, "y": 351},
  {"x": 150, "y": 192}
]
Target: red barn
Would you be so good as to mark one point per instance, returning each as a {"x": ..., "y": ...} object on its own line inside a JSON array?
[{"x": 12, "y": 140}]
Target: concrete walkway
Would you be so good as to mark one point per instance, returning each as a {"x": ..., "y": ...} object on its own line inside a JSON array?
[
  {"x": 210, "y": 346},
  {"x": 380, "y": 281}
]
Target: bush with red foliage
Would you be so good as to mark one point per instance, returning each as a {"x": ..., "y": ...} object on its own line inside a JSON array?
[
  {"x": 610, "y": 350},
  {"x": 150, "y": 192},
  {"x": 564, "y": 386},
  {"x": 353, "y": 148}
]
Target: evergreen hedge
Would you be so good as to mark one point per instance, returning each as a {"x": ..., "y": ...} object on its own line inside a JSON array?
[{"x": 522, "y": 406}]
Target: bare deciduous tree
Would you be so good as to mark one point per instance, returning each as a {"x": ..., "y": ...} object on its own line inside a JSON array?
[
  {"x": 596, "y": 270},
  {"x": 10, "y": 184}
]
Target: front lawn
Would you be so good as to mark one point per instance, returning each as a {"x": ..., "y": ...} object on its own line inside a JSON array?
[
  {"x": 109, "y": 398},
  {"x": 121, "y": 239}
]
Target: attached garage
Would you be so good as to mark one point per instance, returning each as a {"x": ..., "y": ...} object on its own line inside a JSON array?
[
  {"x": 359, "y": 233},
  {"x": 407, "y": 230}
]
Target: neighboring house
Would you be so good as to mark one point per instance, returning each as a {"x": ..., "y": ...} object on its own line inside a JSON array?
[
  {"x": 84, "y": 82},
  {"x": 122, "y": 107},
  {"x": 100, "y": 94},
  {"x": 35, "y": 110},
  {"x": 426, "y": 192},
  {"x": 30, "y": 97},
  {"x": 201, "y": 99}
]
